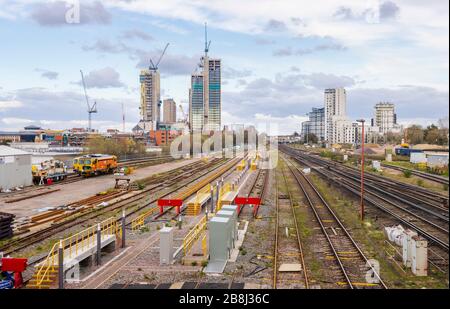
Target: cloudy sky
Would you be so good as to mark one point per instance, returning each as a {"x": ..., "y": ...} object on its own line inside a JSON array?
[{"x": 277, "y": 55}]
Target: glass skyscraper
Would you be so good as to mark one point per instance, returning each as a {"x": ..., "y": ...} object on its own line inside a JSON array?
[
  {"x": 205, "y": 102},
  {"x": 196, "y": 106}
]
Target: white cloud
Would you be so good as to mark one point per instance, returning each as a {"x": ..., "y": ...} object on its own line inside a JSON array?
[
  {"x": 16, "y": 121},
  {"x": 9, "y": 104},
  {"x": 266, "y": 123}
]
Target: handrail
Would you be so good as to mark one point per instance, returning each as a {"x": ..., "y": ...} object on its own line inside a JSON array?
[
  {"x": 227, "y": 187},
  {"x": 193, "y": 235},
  {"x": 79, "y": 240}
]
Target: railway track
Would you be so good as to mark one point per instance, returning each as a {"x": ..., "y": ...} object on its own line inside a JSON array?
[
  {"x": 352, "y": 267},
  {"x": 431, "y": 224},
  {"x": 288, "y": 249},
  {"x": 257, "y": 189},
  {"x": 166, "y": 215},
  {"x": 139, "y": 201},
  {"x": 424, "y": 175}
]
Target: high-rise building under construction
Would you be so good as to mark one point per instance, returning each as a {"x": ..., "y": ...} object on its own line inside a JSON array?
[
  {"x": 205, "y": 104},
  {"x": 150, "y": 96}
]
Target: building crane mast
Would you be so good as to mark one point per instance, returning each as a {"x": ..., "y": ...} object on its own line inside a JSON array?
[
  {"x": 91, "y": 109},
  {"x": 184, "y": 117},
  {"x": 154, "y": 66}
]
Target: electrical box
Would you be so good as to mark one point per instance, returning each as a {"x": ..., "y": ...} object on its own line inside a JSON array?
[
  {"x": 166, "y": 246},
  {"x": 407, "y": 247},
  {"x": 233, "y": 208},
  {"x": 231, "y": 228},
  {"x": 219, "y": 249},
  {"x": 419, "y": 255}
]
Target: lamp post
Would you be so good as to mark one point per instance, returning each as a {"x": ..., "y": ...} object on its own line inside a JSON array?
[{"x": 362, "y": 168}]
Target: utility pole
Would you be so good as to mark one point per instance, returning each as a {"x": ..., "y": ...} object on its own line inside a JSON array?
[{"x": 362, "y": 168}]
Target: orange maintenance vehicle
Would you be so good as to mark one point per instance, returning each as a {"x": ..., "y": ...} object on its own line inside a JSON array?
[{"x": 96, "y": 164}]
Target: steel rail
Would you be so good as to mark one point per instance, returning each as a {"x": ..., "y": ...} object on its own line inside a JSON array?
[
  {"x": 319, "y": 219},
  {"x": 355, "y": 186},
  {"x": 297, "y": 232},
  {"x": 441, "y": 243},
  {"x": 435, "y": 178}
]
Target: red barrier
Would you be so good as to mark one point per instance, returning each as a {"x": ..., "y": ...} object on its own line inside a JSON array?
[
  {"x": 17, "y": 266},
  {"x": 169, "y": 203},
  {"x": 255, "y": 201},
  {"x": 14, "y": 264}
]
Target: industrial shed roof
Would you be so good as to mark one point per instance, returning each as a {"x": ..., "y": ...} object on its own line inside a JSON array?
[{"x": 9, "y": 151}]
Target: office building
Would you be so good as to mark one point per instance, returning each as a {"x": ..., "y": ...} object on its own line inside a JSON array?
[
  {"x": 196, "y": 102},
  {"x": 213, "y": 102},
  {"x": 205, "y": 103},
  {"x": 169, "y": 111},
  {"x": 316, "y": 124}
]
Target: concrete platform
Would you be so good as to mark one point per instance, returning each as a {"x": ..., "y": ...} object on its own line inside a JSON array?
[
  {"x": 228, "y": 197},
  {"x": 74, "y": 257},
  {"x": 201, "y": 199}
]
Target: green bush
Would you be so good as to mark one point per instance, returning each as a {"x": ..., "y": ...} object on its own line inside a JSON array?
[{"x": 407, "y": 173}]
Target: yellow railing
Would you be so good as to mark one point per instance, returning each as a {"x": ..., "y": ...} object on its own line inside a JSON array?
[
  {"x": 193, "y": 235},
  {"x": 193, "y": 208},
  {"x": 74, "y": 244},
  {"x": 139, "y": 221},
  {"x": 204, "y": 247},
  {"x": 241, "y": 165},
  {"x": 226, "y": 187},
  {"x": 253, "y": 165}
]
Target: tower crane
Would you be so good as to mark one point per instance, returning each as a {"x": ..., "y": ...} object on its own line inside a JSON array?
[
  {"x": 154, "y": 66},
  {"x": 184, "y": 116},
  {"x": 91, "y": 109}
]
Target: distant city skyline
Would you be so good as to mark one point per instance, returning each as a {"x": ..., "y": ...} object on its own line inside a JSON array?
[{"x": 276, "y": 59}]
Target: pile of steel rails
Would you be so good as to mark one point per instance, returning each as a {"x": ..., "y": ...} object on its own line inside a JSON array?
[{"x": 415, "y": 207}]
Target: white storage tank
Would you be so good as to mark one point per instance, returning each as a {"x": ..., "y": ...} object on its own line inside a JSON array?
[
  {"x": 15, "y": 168},
  {"x": 419, "y": 265}
]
